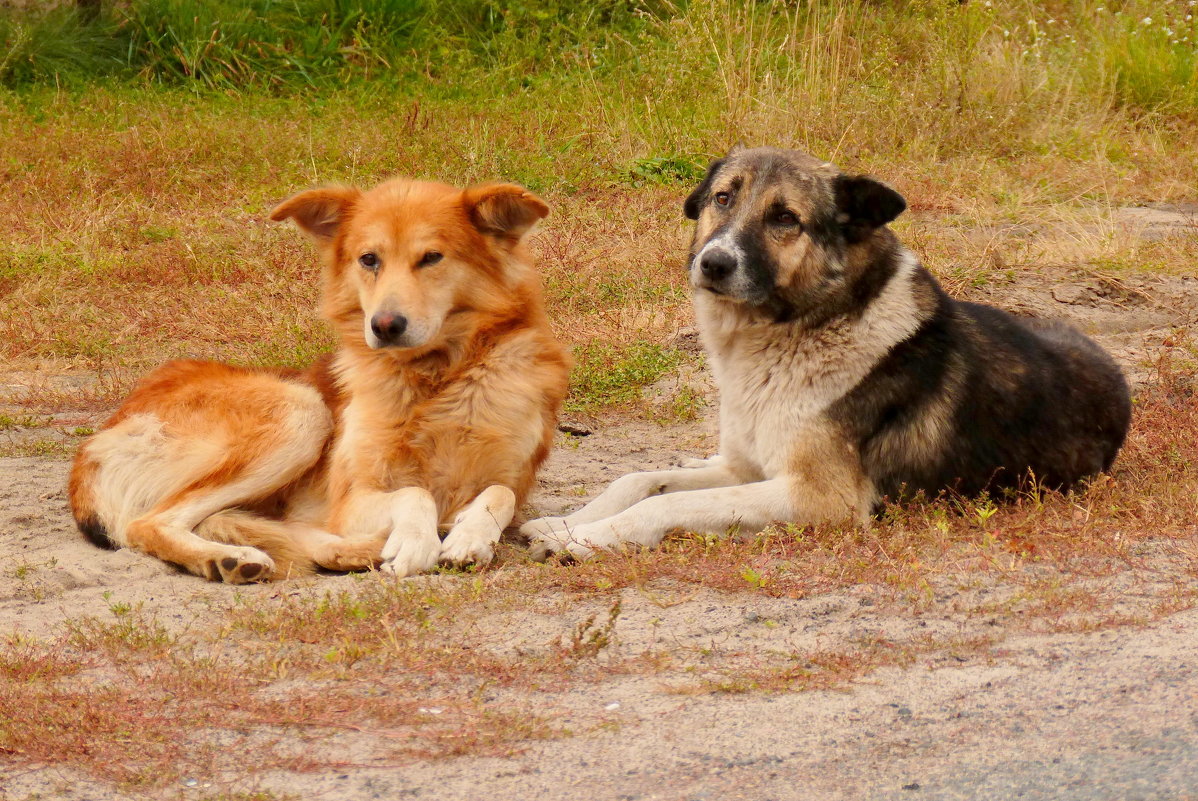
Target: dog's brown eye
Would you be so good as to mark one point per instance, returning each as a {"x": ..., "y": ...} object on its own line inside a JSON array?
[
  {"x": 432, "y": 257},
  {"x": 721, "y": 198},
  {"x": 786, "y": 218},
  {"x": 369, "y": 260}
]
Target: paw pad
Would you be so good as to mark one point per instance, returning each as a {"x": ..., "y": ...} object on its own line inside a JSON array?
[{"x": 241, "y": 569}]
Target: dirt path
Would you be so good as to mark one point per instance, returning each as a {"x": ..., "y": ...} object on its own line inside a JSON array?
[
  {"x": 1102, "y": 715},
  {"x": 1108, "y": 715}
]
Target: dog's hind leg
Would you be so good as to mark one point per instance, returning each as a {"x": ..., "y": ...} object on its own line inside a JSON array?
[
  {"x": 168, "y": 534},
  {"x": 334, "y": 552},
  {"x": 166, "y": 482},
  {"x": 478, "y": 527},
  {"x": 283, "y": 541},
  {"x": 177, "y": 530},
  {"x": 631, "y": 489}
]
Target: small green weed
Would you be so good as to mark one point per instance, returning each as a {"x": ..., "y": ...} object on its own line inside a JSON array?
[
  {"x": 754, "y": 579},
  {"x": 37, "y": 447},
  {"x": 592, "y": 635},
  {"x": 683, "y": 405},
  {"x": 11, "y": 421}
]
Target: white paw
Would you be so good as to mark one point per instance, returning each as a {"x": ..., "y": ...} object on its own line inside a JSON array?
[
  {"x": 464, "y": 547},
  {"x": 241, "y": 565},
  {"x": 542, "y": 526},
  {"x": 407, "y": 554},
  {"x": 541, "y": 548},
  {"x": 580, "y": 542}
]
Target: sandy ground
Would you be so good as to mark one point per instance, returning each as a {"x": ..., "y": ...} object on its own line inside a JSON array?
[{"x": 1107, "y": 715}]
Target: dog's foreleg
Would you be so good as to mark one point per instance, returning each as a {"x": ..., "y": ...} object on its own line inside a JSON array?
[
  {"x": 705, "y": 511},
  {"x": 477, "y": 527},
  {"x": 749, "y": 507},
  {"x": 413, "y": 545},
  {"x": 631, "y": 489}
]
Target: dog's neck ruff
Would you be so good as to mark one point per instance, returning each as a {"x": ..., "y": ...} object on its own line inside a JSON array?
[
  {"x": 409, "y": 375},
  {"x": 758, "y": 362}
]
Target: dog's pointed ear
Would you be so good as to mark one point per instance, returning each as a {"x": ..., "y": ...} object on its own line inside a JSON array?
[
  {"x": 864, "y": 204},
  {"x": 319, "y": 212},
  {"x": 696, "y": 200},
  {"x": 503, "y": 210}
]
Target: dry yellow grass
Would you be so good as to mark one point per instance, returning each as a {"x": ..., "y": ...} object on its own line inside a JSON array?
[{"x": 135, "y": 225}]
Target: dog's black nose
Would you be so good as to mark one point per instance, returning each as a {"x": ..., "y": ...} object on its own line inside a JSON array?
[
  {"x": 388, "y": 326},
  {"x": 717, "y": 264}
]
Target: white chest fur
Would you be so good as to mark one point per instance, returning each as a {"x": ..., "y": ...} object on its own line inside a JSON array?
[{"x": 776, "y": 379}]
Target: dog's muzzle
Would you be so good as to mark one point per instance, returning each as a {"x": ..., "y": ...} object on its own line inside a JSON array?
[
  {"x": 713, "y": 268},
  {"x": 388, "y": 328},
  {"x": 716, "y": 265}
]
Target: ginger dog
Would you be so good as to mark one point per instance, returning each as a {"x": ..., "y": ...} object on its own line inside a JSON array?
[{"x": 434, "y": 413}]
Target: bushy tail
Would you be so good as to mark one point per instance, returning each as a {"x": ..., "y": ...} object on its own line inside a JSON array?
[
  {"x": 234, "y": 527},
  {"x": 81, "y": 492}
]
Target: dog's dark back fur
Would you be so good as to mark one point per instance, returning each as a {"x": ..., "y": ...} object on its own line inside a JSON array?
[
  {"x": 974, "y": 399},
  {"x": 1028, "y": 398}
]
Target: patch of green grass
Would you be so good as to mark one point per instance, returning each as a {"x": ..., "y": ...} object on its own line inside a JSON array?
[
  {"x": 606, "y": 375},
  {"x": 10, "y": 421},
  {"x": 683, "y": 405},
  {"x": 295, "y": 346},
  {"x": 91, "y": 342},
  {"x": 310, "y": 43},
  {"x": 51, "y": 448},
  {"x": 45, "y": 45},
  {"x": 153, "y": 233},
  {"x": 224, "y": 43},
  {"x": 1151, "y": 56},
  {"x": 668, "y": 170},
  {"x": 18, "y": 262}
]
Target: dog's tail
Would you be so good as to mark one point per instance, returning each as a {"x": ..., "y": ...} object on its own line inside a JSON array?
[
  {"x": 81, "y": 491},
  {"x": 276, "y": 538}
]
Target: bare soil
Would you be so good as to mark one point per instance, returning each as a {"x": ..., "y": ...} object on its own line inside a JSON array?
[{"x": 1108, "y": 714}]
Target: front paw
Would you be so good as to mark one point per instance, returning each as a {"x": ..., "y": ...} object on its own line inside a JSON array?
[
  {"x": 410, "y": 554},
  {"x": 580, "y": 542},
  {"x": 541, "y": 527},
  {"x": 462, "y": 547}
]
